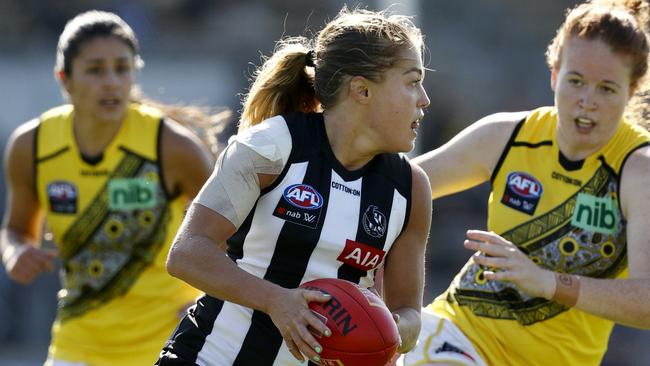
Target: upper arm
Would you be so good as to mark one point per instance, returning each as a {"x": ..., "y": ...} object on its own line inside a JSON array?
[
  {"x": 469, "y": 158},
  {"x": 404, "y": 269},
  {"x": 186, "y": 161},
  {"x": 635, "y": 203},
  {"x": 22, "y": 211}
]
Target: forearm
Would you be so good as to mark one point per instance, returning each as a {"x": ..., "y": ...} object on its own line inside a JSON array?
[
  {"x": 200, "y": 263},
  {"x": 409, "y": 327},
  {"x": 624, "y": 301}
]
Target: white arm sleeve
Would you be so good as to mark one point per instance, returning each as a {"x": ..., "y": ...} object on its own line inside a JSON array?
[{"x": 234, "y": 186}]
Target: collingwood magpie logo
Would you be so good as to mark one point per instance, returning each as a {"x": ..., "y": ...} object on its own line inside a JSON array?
[{"x": 374, "y": 222}]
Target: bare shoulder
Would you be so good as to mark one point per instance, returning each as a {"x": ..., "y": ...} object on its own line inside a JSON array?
[
  {"x": 178, "y": 137},
  {"x": 420, "y": 181},
  {"x": 179, "y": 142},
  {"x": 186, "y": 160},
  {"x": 421, "y": 197},
  {"x": 20, "y": 145},
  {"x": 636, "y": 165},
  {"x": 635, "y": 180}
]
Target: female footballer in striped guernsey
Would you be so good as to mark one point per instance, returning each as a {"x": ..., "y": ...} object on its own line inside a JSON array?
[
  {"x": 568, "y": 251},
  {"x": 299, "y": 191}
]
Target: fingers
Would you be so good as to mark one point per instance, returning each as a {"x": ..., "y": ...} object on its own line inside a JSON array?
[
  {"x": 396, "y": 318},
  {"x": 490, "y": 248},
  {"x": 306, "y": 343},
  {"x": 30, "y": 263},
  {"x": 304, "y": 326},
  {"x": 314, "y": 324},
  {"x": 485, "y": 236},
  {"x": 312, "y": 295},
  {"x": 492, "y": 262},
  {"x": 293, "y": 348}
]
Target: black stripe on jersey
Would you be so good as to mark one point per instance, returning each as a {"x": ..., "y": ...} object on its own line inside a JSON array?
[
  {"x": 372, "y": 194},
  {"x": 236, "y": 241},
  {"x": 533, "y": 145},
  {"x": 189, "y": 337},
  {"x": 129, "y": 151},
  {"x": 52, "y": 155},
  {"x": 294, "y": 247},
  {"x": 511, "y": 140}
]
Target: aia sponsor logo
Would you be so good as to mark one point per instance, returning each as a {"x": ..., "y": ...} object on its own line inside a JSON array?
[
  {"x": 522, "y": 192},
  {"x": 303, "y": 196},
  {"x": 361, "y": 256},
  {"x": 62, "y": 196}
]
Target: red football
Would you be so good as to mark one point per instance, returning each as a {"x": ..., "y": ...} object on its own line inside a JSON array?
[{"x": 363, "y": 330}]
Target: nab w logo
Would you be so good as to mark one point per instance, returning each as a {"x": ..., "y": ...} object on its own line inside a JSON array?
[
  {"x": 303, "y": 196},
  {"x": 596, "y": 214},
  {"x": 131, "y": 194}
]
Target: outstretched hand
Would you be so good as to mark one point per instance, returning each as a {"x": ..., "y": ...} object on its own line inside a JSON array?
[
  {"x": 25, "y": 262},
  {"x": 505, "y": 262},
  {"x": 290, "y": 313}
]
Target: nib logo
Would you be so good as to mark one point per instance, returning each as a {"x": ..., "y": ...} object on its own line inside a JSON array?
[{"x": 595, "y": 214}]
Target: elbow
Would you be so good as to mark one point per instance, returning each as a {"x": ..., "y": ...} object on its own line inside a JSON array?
[{"x": 174, "y": 264}]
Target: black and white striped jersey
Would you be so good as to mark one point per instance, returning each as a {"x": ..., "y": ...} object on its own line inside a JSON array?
[{"x": 317, "y": 220}]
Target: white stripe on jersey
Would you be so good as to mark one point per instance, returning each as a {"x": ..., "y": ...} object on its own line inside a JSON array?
[
  {"x": 265, "y": 228},
  {"x": 395, "y": 226},
  {"x": 231, "y": 326}
]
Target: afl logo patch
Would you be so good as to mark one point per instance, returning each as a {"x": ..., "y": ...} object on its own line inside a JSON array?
[
  {"x": 303, "y": 196},
  {"x": 300, "y": 204},
  {"x": 522, "y": 192},
  {"x": 374, "y": 222},
  {"x": 63, "y": 197}
]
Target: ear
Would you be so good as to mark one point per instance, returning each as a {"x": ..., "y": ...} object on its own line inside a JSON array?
[
  {"x": 360, "y": 89},
  {"x": 63, "y": 80},
  {"x": 553, "y": 78}
]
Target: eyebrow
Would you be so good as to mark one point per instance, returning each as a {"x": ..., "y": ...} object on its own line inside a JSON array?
[
  {"x": 414, "y": 69},
  {"x": 100, "y": 60},
  {"x": 605, "y": 81}
]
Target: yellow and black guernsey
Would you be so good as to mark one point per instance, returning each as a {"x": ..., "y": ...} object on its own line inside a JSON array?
[
  {"x": 113, "y": 221},
  {"x": 565, "y": 215}
]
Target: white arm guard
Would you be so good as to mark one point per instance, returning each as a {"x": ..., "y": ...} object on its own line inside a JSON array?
[{"x": 234, "y": 186}]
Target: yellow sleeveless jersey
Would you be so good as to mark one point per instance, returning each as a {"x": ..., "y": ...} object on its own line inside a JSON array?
[
  {"x": 113, "y": 222},
  {"x": 565, "y": 216}
]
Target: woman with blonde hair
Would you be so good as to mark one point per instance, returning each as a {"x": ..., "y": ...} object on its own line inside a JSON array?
[{"x": 302, "y": 194}]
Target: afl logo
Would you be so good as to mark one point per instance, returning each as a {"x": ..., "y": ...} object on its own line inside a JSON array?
[
  {"x": 524, "y": 185},
  {"x": 303, "y": 196}
]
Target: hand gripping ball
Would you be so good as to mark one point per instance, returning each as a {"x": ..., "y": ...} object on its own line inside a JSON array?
[{"x": 363, "y": 330}]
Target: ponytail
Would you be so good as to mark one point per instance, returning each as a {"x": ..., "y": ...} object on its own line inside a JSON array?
[{"x": 283, "y": 84}]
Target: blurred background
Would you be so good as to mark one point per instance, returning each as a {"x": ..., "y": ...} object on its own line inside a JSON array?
[{"x": 488, "y": 56}]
